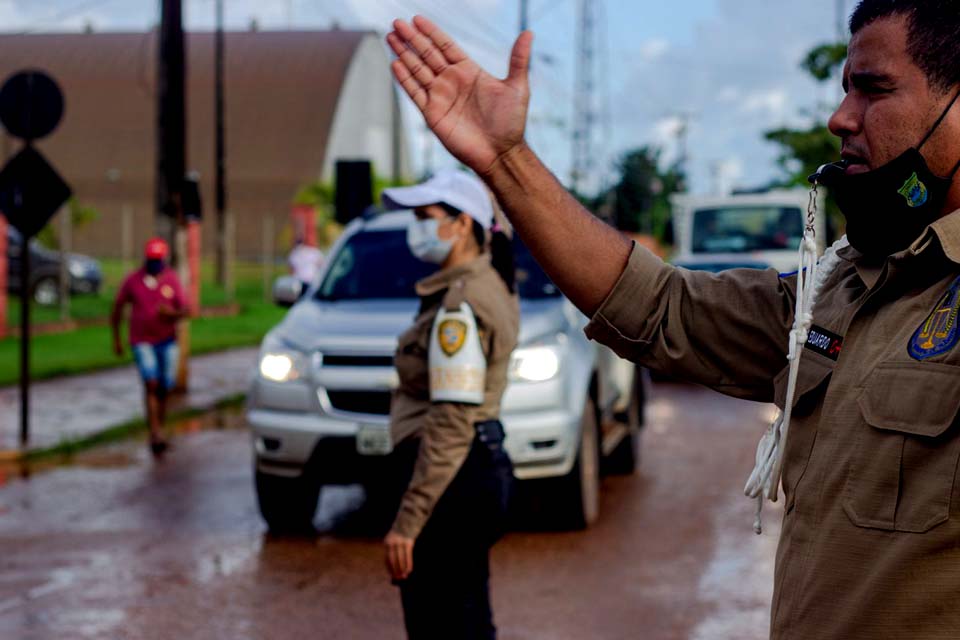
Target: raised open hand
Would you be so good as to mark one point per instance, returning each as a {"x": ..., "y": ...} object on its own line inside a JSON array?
[{"x": 477, "y": 117}]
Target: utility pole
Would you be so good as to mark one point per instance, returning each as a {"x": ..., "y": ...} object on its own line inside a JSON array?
[
  {"x": 584, "y": 89},
  {"x": 220, "y": 146},
  {"x": 171, "y": 119},
  {"x": 172, "y": 153}
]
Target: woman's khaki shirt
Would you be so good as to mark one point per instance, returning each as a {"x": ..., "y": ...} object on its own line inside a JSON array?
[{"x": 446, "y": 429}]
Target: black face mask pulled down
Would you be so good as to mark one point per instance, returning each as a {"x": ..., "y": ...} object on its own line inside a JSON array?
[{"x": 888, "y": 208}]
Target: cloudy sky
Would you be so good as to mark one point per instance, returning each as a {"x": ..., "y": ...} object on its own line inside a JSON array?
[{"x": 727, "y": 67}]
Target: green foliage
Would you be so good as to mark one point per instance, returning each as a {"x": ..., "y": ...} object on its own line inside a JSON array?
[
  {"x": 822, "y": 61},
  {"x": 640, "y": 201},
  {"x": 802, "y": 151},
  {"x": 80, "y": 216},
  {"x": 321, "y": 196}
]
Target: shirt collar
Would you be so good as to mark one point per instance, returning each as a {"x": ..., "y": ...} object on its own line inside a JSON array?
[
  {"x": 946, "y": 231},
  {"x": 445, "y": 277}
]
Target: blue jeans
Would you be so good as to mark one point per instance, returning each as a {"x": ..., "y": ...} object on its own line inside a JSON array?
[{"x": 158, "y": 362}]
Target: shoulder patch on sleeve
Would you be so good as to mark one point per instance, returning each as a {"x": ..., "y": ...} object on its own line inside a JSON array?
[{"x": 458, "y": 368}]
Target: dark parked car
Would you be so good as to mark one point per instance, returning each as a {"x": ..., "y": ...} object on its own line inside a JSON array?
[{"x": 85, "y": 274}]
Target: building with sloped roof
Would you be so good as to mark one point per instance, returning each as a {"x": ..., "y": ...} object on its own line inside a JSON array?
[{"x": 295, "y": 103}]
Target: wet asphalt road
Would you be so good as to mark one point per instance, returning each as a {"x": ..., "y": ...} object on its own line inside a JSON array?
[{"x": 114, "y": 545}]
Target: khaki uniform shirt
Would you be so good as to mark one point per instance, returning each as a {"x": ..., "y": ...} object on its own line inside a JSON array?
[
  {"x": 870, "y": 543},
  {"x": 445, "y": 429}
]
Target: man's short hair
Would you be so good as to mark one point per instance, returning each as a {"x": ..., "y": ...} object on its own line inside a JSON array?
[{"x": 933, "y": 39}]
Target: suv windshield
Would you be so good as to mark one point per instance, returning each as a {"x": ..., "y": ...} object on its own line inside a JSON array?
[
  {"x": 374, "y": 264},
  {"x": 378, "y": 265},
  {"x": 743, "y": 229}
]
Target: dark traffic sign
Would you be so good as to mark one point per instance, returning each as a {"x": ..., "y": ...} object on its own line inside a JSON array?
[
  {"x": 31, "y": 191},
  {"x": 31, "y": 105}
]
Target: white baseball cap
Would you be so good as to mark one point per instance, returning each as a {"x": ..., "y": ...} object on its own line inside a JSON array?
[{"x": 458, "y": 189}]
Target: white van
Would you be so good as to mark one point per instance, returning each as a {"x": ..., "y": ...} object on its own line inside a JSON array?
[{"x": 757, "y": 230}]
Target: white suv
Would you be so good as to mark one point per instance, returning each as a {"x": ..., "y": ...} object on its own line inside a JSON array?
[{"x": 327, "y": 369}]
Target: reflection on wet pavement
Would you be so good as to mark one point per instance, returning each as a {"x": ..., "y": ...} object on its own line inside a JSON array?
[{"x": 114, "y": 544}]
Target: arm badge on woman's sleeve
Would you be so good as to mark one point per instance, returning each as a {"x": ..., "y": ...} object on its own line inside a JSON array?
[{"x": 458, "y": 368}]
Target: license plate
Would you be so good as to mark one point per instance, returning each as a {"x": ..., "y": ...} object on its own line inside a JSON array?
[{"x": 374, "y": 440}]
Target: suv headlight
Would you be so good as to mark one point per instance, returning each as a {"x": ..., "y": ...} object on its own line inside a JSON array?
[
  {"x": 279, "y": 364},
  {"x": 535, "y": 363}
]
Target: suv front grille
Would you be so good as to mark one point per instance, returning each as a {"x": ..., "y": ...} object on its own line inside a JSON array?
[
  {"x": 357, "y": 361},
  {"x": 370, "y": 402}
]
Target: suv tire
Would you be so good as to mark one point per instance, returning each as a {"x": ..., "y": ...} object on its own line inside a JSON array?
[
  {"x": 625, "y": 457},
  {"x": 46, "y": 291},
  {"x": 288, "y": 504},
  {"x": 578, "y": 492}
]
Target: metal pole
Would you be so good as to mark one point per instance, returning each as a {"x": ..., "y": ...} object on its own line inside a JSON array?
[
  {"x": 66, "y": 242},
  {"x": 171, "y": 118},
  {"x": 524, "y": 15},
  {"x": 126, "y": 237},
  {"x": 220, "y": 145},
  {"x": 267, "y": 257},
  {"x": 24, "y": 340}
]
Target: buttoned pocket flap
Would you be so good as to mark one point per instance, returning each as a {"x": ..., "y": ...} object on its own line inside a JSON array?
[{"x": 920, "y": 399}]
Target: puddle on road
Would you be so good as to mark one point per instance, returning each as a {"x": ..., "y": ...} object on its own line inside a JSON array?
[{"x": 125, "y": 452}]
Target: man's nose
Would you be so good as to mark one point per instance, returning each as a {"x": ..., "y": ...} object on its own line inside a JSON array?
[{"x": 847, "y": 120}]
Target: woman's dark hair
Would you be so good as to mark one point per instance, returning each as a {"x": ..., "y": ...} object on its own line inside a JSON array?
[{"x": 501, "y": 249}]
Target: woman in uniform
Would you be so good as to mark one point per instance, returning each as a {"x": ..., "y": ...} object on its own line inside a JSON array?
[{"x": 452, "y": 364}]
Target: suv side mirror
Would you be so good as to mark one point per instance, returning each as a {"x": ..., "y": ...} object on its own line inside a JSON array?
[{"x": 286, "y": 291}]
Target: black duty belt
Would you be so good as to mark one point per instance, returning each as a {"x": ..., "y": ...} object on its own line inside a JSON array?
[{"x": 489, "y": 431}]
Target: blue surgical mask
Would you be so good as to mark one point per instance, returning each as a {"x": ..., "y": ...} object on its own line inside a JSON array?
[{"x": 425, "y": 242}]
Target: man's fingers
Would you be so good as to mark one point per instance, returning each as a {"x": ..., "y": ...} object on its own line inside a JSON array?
[
  {"x": 520, "y": 59},
  {"x": 422, "y": 46},
  {"x": 413, "y": 88},
  {"x": 452, "y": 52},
  {"x": 407, "y": 560},
  {"x": 417, "y": 68}
]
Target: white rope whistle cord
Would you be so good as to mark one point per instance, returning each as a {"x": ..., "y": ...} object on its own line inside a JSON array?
[{"x": 764, "y": 481}]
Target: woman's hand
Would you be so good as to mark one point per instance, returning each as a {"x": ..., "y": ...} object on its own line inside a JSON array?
[
  {"x": 399, "y": 555},
  {"x": 477, "y": 117}
]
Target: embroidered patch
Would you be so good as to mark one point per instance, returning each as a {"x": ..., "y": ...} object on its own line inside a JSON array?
[
  {"x": 452, "y": 334},
  {"x": 826, "y": 343},
  {"x": 938, "y": 333},
  {"x": 914, "y": 191}
]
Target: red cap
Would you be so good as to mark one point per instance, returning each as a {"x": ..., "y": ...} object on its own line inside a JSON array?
[{"x": 156, "y": 249}]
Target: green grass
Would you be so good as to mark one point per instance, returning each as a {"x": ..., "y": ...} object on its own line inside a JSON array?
[{"x": 89, "y": 348}]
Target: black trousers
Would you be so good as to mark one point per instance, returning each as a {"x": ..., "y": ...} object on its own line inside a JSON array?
[{"x": 447, "y": 595}]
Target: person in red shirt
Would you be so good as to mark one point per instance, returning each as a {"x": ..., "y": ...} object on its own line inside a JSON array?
[{"x": 154, "y": 293}]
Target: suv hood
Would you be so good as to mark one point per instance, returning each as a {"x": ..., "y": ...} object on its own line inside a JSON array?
[{"x": 372, "y": 326}]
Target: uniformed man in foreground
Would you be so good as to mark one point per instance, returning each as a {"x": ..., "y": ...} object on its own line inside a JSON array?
[{"x": 870, "y": 543}]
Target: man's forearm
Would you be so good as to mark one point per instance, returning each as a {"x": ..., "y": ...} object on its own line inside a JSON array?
[{"x": 581, "y": 254}]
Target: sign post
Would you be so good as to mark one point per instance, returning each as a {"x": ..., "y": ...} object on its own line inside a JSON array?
[{"x": 31, "y": 191}]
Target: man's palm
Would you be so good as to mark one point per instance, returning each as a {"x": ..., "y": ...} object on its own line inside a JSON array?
[{"x": 477, "y": 117}]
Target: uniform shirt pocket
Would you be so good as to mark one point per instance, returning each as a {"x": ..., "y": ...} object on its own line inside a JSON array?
[{"x": 902, "y": 471}]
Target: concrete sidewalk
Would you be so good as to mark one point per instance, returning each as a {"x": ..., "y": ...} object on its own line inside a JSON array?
[{"x": 75, "y": 407}]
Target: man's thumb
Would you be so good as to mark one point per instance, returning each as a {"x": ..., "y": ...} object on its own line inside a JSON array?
[{"x": 520, "y": 58}]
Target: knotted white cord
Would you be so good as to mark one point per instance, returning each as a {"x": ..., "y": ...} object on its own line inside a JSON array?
[{"x": 764, "y": 481}]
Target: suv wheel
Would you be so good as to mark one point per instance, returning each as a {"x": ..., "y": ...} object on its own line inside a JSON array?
[
  {"x": 288, "y": 504},
  {"x": 46, "y": 291},
  {"x": 625, "y": 457},
  {"x": 579, "y": 490}
]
